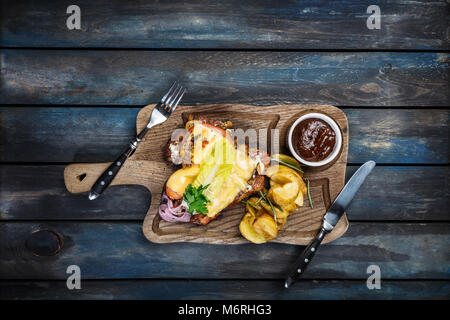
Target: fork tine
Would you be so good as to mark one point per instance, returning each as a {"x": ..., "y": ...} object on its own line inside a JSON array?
[
  {"x": 165, "y": 96},
  {"x": 177, "y": 100},
  {"x": 172, "y": 97}
]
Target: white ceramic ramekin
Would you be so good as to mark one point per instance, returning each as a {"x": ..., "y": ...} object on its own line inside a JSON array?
[{"x": 337, "y": 145}]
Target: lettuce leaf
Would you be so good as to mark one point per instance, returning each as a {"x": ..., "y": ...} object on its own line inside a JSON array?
[{"x": 216, "y": 167}]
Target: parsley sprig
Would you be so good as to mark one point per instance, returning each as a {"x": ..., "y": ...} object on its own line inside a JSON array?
[{"x": 195, "y": 199}]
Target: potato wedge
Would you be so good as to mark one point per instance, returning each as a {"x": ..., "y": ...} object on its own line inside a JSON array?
[
  {"x": 284, "y": 195},
  {"x": 258, "y": 226},
  {"x": 288, "y": 160},
  {"x": 281, "y": 214},
  {"x": 272, "y": 183},
  {"x": 270, "y": 192},
  {"x": 290, "y": 207},
  {"x": 247, "y": 230},
  {"x": 299, "y": 200},
  {"x": 283, "y": 177},
  {"x": 252, "y": 206},
  {"x": 265, "y": 225},
  {"x": 278, "y": 174},
  {"x": 272, "y": 170},
  {"x": 302, "y": 187},
  {"x": 281, "y": 223},
  {"x": 287, "y": 191}
]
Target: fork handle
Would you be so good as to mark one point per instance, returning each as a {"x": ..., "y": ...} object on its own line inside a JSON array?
[
  {"x": 141, "y": 134},
  {"x": 108, "y": 176}
]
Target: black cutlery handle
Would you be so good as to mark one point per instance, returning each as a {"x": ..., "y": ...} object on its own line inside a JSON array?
[
  {"x": 108, "y": 176},
  {"x": 304, "y": 259}
]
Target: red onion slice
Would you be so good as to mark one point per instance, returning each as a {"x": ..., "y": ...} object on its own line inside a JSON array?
[{"x": 168, "y": 212}]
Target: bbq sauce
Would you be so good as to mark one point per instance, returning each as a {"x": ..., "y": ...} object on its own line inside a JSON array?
[{"x": 313, "y": 139}]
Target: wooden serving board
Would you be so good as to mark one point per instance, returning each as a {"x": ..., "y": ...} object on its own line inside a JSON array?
[{"x": 148, "y": 168}]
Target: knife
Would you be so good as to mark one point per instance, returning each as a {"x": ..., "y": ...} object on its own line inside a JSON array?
[{"x": 330, "y": 220}]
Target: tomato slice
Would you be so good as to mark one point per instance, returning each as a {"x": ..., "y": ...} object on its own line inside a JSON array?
[{"x": 208, "y": 134}]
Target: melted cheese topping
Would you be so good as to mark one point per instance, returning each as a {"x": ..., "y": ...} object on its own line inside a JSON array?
[{"x": 242, "y": 172}]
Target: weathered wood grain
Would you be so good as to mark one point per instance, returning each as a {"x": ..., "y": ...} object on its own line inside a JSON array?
[
  {"x": 399, "y": 136},
  {"x": 39, "y": 193},
  {"x": 121, "y": 77},
  {"x": 402, "y": 193},
  {"x": 204, "y": 290},
  {"x": 119, "y": 250},
  {"x": 88, "y": 134},
  {"x": 391, "y": 193},
  {"x": 227, "y": 24}
]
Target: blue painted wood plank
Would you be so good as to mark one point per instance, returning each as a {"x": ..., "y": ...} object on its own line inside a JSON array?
[
  {"x": 206, "y": 290},
  {"x": 402, "y": 193},
  {"x": 278, "y": 24},
  {"x": 399, "y": 136},
  {"x": 390, "y": 193},
  {"x": 119, "y": 250},
  {"x": 63, "y": 134},
  {"x": 92, "y": 77},
  {"x": 38, "y": 193}
]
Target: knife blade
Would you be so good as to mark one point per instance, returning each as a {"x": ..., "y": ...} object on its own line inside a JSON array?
[{"x": 331, "y": 218}]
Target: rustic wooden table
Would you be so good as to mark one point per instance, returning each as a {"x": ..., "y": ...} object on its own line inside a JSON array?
[{"x": 73, "y": 95}]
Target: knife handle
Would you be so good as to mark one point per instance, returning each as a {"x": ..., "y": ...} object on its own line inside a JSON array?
[
  {"x": 108, "y": 176},
  {"x": 304, "y": 259}
]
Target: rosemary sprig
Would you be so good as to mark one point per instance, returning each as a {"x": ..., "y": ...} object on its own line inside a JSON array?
[
  {"x": 287, "y": 164},
  {"x": 309, "y": 195},
  {"x": 277, "y": 206},
  {"x": 251, "y": 204},
  {"x": 263, "y": 196}
]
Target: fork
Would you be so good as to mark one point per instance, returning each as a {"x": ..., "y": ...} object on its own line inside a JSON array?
[{"x": 160, "y": 113}]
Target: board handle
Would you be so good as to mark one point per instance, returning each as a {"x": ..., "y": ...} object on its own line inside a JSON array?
[
  {"x": 152, "y": 175},
  {"x": 80, "y": 177}
]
